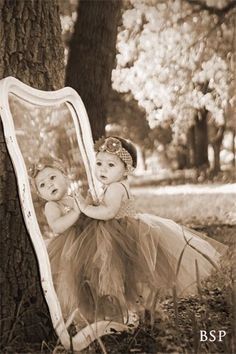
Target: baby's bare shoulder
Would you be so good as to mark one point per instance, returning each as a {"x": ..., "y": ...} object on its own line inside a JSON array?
[
  {"x": 52, "y": 207},
  {"x": 115, "y": 187}
]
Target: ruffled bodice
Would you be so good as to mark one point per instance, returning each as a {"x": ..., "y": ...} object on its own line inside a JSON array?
[
  {"x": 127, "y": 208},
  {"x": 64, "y": 208}
]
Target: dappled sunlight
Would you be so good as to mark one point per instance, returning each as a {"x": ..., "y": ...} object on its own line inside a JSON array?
[
  {"x": 188, "y": 189},
  {"x": 190, "y": 204}
]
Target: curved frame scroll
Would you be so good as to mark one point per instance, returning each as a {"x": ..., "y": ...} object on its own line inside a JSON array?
[{"x": 67, "y": 95}]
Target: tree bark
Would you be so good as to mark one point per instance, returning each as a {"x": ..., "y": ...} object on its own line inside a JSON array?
[
  {"x": 182, "y": 157},
  {"x": 233, "y": 147},
  {"x": 216, "y": 144},
  {"x": 191, "y": 147},
  {"x": 30, "y": 50},
  {"x": 31, "y": 47},
  {"x": 201, "y": 140},
  {"x": 91, "y": 57}
]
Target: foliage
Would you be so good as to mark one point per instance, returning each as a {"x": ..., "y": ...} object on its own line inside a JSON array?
[
  {"x": 179, "y": 332},
  {"x": 176, "y": 58},
  {"x": 127, "y": 119},
  {"x": 48, "y": 131}
]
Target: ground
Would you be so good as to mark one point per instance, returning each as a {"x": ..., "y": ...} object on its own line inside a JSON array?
[
  {"x": 176, "y": 324},
  {"x": 190, "y": 204},
  {"x": 210, "y": 209}
]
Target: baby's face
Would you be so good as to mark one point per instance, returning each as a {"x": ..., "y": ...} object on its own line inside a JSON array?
[
  {"x": 51, "y": 184},
  {"x": 109, "y": 168}
]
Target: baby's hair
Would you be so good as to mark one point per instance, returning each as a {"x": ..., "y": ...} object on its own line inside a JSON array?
[
  {"x": 41, "y": 164},
  {"x": 129, "y": 146},
  {"x": 121, "y": 147}
]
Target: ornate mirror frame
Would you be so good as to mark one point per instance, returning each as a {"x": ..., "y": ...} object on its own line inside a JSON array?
[{"x": 11, "y": 86}]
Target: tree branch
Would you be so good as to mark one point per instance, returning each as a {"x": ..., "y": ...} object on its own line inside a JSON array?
[{"x": 212, "y": 9}]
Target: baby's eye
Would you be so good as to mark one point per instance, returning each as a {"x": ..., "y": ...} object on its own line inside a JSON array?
[
  {"x": 52, "y": 178},
  {"x": 111, "y": 164},
  {"x": 42, "y": 185},
  {"x": 98, "y": 163}
]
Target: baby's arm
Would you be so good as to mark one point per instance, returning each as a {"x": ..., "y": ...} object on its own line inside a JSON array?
[
  {"x": 58, "y": 222},
  {"x": 109, "y": 208}
]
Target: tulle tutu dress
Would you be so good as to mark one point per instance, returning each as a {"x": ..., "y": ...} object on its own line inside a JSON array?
[{"x": 131, "y": 257}]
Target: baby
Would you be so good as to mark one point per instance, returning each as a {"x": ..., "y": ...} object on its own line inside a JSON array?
[
  {"x": 49, "y": 180},
  {"x": 51, "y": 184}
]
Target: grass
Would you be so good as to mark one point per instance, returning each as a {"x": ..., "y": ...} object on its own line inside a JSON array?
[
  {"x": 176, "y": 329},
  {"x": 192, "y": 205},
  {"x": 174, "y": 326},
  {"x": 178, "y": 321}
]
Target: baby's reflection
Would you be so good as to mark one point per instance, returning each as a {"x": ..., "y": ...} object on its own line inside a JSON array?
[{"x": 49, "y": 180}]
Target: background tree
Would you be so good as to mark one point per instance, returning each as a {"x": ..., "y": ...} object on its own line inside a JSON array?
[
  {"x": 175, "y": 58},
  {"x": 91, "y": 57},
  {"x": 30, "y": 50}
]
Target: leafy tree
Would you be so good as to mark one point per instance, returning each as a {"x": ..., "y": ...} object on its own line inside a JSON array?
[
  {"x": 31, "y": 50},
  {"x": 174, "y": 58}
]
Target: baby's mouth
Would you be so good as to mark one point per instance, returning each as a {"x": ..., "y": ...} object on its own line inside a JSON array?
[
  {"x": 54, "y": 191},
  {"x": 103, "y": 177}
]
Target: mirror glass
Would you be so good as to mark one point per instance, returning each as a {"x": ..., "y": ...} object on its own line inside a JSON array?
[{"x": 47, "y": 131}]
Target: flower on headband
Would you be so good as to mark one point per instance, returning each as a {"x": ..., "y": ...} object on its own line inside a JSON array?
[
  {"x": 110, "y": 144},
  {"x": 35, "y": 168},
  {"x": 114, "y": 146},
  {"x": 43, "y": 163}
]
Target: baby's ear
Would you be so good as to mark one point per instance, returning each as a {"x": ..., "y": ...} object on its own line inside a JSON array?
[{"x": 126, "y": 173}]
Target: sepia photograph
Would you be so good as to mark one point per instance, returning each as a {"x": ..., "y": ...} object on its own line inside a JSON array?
[{"x": 117, "y": 176}]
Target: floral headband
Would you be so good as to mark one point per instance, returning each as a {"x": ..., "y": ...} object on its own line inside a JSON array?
[
  {"x": 114, "y": 146},
  {"x": 43, "y": 163}
]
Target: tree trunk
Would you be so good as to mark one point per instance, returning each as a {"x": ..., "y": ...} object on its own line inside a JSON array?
[
  {"x": 233, "y": 147},
  {"x": 191, "y": 147},
  {"x": 91, "y": 57},
  {"x": 31, "y": 47},
  {"x": 182, "y": 157},
  {"x": 216, "y": 166},
  {"x": 30, "y": 50},
  {"x": 201, "y": 141},
  {"x": 216, "y": 144}
]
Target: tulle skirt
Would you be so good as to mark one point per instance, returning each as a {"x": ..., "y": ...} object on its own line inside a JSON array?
[{"x": 125, "y": 260}]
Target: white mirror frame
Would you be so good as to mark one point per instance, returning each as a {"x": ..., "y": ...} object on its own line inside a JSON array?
[{"x": 11, "y": 85}]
